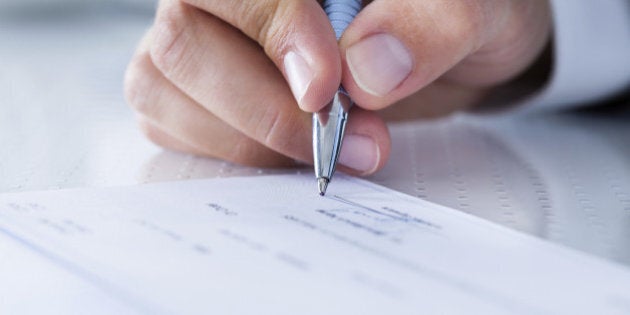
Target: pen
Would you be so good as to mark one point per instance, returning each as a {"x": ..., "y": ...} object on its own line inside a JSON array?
[{"x": 329, "y": 124}]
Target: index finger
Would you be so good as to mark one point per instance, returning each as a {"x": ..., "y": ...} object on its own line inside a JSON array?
[{"x": 297, "y": 37}]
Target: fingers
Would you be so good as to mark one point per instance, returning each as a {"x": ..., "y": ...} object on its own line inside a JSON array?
[
  {"x": 173, "y": 120},
  {"x": 297, "y": 37},
  {"x": 392, "y": 50},
  {"x": 214, "y": 71},
  {"x": 222, "y": 85},
  {"x": 511, "y": 47},
  {"x": 227, "y": 74}
]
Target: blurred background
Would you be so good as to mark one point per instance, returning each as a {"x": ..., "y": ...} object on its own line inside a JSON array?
[
  {"x": 48, "y": 7},
  {"x": 63, "y": 118}
]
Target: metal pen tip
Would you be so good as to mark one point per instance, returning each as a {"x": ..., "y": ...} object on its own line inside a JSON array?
[{"x": 322, "y": 184}]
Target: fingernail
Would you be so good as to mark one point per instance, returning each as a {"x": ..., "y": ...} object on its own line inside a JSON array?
[
  {"x": 379, "y": 63},
  {"x": 359, "y": 153},
  {"x": 298, "y": 73}
]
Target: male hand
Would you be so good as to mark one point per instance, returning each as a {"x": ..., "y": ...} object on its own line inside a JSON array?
[{"x": 236, "y": 80}]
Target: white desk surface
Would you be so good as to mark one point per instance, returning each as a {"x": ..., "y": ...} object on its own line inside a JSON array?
[{"x": 64, "y": 123}]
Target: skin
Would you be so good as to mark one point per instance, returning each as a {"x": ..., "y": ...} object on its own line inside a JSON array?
[{"x": 210, "y": 76}]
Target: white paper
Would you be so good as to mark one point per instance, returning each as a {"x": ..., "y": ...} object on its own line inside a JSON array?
[{"x": 271, "y": 245}]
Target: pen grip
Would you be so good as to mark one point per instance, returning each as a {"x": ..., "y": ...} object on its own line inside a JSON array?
[{"x": 341, "y": 13}]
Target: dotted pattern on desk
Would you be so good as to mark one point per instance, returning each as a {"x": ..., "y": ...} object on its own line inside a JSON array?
[
  {"x": 468, "y": 169},
  {"x": 547, "y": 176}
]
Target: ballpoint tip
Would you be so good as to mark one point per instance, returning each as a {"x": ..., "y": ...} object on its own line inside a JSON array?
[{"x": 322, "y": 184}]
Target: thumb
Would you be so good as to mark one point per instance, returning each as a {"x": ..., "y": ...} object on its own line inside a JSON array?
[{"x": 395, "y": 48}]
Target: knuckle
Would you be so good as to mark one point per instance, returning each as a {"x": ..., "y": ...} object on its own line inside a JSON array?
[
  {"x": 139, "y": 84},
  {"x": 270, "y": 128},
  {"x": 270, "y": 138},
  {"x": 170, "y": 37},
  {"x": 254, "y": 17},
  {"x": 283, "y": 131},
  {"x": 274, "y": 34},
  {"x": 243, "y": 152},
  {"x": 265, "y": 21},
  {"x": 151, "y": 132},
  {"x": 466, "y": 22},
  {"x": 257, "y": 16}
]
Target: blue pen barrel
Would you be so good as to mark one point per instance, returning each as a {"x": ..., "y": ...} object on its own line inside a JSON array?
[
  {"x": 329, "y": 124},
  {"x": 341, "y": 13}
]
